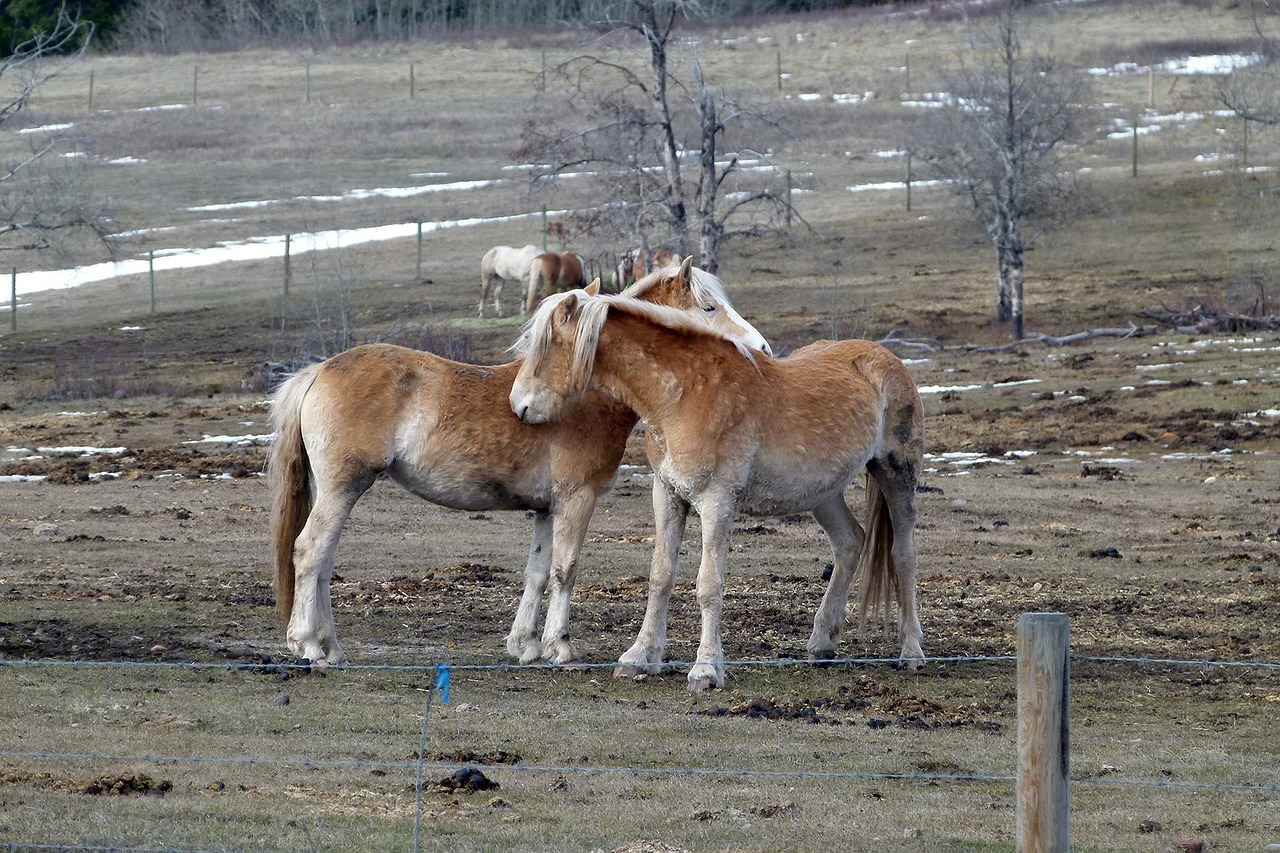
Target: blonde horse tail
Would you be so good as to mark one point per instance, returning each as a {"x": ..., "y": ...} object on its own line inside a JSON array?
[
  {"x": 877, "y": 584},
  {"x": 289, "y": 476},
  {"x": 537, "y": 269}
]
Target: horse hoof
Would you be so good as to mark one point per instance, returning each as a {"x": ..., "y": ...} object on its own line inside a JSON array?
[
  {"x": 700, "y": 685},
  {"x": 626, "y": 671},
  {"x": 823, "y": 657}
]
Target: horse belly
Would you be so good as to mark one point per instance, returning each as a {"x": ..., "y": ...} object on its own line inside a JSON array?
[
  {"x": 784, "y": 491},
  {"x": 470, "y": 489}
]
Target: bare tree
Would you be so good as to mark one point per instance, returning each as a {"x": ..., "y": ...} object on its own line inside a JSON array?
[
  {"x": 1252, "y": 92},
  {"x": 998, "y": 142},
  {"x": 36, "y": 201},
  {"x": 631, "y": 128}
]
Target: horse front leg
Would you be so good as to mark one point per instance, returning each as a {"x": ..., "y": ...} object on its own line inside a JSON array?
[
  {"x": 847, "y": 539},
  {"x": 522, "y": 642},
  {"x": 670, "y": 515},
  {"x": 717, "y": 520},
  {"x": 569, "y": 524}
]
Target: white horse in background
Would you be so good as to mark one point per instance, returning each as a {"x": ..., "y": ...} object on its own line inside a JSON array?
[{"x": 501, "y": 264}]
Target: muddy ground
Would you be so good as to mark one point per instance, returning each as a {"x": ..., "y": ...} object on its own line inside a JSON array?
[{"x": 1131, "y": 484}]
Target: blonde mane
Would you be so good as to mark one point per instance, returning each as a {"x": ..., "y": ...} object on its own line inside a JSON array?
[
  {"x": 535, "y": 337},
  {"x": 703, "y": 284}
]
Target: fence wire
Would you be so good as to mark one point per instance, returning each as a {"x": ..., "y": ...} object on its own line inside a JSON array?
[{"x": 443, "y": 671}]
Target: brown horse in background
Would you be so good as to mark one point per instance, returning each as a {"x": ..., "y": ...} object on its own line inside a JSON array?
[
  {"x": 634, "y": 264},
  {"x": 630, "y": 268},
  {"x": 554, "y": 272}
]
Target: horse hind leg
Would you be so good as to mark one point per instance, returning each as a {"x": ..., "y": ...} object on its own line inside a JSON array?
[
  {"x": 312, "y": 634},
  {"x": 847, "y": 538},
  {"x": 895, "y": 478}
]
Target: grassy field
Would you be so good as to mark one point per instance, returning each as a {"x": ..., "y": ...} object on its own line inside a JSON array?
[{"x": 1158, "y": 447}]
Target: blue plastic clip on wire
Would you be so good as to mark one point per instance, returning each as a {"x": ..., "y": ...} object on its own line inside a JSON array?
[{"x": 442, "y": 683}]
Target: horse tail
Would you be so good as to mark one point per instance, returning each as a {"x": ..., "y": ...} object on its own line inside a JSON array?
[
  {"x": 877, "y": 580},
  {"x": 289, "y": 477},
  {"x": 487, "y": 263},
  {"x": 537, "y": 271}
]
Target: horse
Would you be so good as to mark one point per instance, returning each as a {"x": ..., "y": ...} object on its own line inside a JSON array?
[
  {"x": 445, "y": 432},
  {"x": 732, "y": 431},
  {"x": 630, "y": 268},
  {"x": 661, "y": 257},
  {"x": 553, "y": 272},
  {"x": 499, "y": 265}
]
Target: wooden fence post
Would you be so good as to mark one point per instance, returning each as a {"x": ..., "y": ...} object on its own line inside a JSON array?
[
  {"x": 418, "y": 268},
  {"x": 13, "y": 301},
  {"x": 151, "y": 276},
  {"x": 288, "y": 238},
  {"x": 1044, "y": 792}
]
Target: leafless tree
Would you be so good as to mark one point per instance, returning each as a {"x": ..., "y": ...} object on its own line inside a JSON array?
[
  {"x": 35, "y": 200},
  {"x": 628, "y": 125},
  {"x": 999, "y": 142},
  {"x": 1252, "y": 92}
]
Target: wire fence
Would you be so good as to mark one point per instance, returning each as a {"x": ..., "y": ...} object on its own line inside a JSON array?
[{"x": 442, "y": 680}]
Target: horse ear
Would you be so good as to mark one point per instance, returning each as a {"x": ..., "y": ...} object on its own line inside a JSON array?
[
  {"x": 686, "y": 269},
  {"x": 594, "y": 287},
  {"x": 567, "y": 308}
]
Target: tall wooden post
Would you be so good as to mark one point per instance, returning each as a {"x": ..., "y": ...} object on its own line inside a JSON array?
[
  {"x": 151, "y": 274},
  {"x": 13, "y": 301},
  {"x": 288, "y": 238},
  {"x": 907, "y": 178},
  {"x": 419, "y": 266},
  {"x": 1044, "y": 792},
  {"x": 1135, "y": 149},
  {"x": 789, "y": 188}
]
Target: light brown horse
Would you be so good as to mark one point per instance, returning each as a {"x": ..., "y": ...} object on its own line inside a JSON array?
[
  {"x": 730, "y": 431},
  {"x": 500, "y": 265},
  {"x": 554, "y": 272},
  {"x": 445, "y": 432}
]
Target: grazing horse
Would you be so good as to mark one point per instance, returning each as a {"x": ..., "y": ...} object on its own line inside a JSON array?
[
  {"x": 730, "y": 431},
  {"x": 499, "y": 265},
  {"x": 554, "y": 272},
  {"x": 445, "y": 432}
]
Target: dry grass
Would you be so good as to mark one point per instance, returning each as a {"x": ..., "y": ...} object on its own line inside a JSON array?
[{"x": 1173, "y": 237}]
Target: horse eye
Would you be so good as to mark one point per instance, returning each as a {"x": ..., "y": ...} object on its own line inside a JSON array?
[{"x": 710, "y": 308}]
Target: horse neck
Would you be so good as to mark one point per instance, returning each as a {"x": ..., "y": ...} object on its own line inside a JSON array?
[{"x": 651, "y": 367}]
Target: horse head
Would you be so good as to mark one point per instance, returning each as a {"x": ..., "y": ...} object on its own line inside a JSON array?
[
  {"x": 700, "y": 294},
  {"x": 558, "y": 344}
]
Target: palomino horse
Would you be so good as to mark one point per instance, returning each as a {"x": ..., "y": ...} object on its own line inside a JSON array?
[
  {"x": 499, "y": 265},
  {"x": 554, "y": 272},
  {"x": 729, "y": 432},
  {"x": 445, "y": 432}
]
